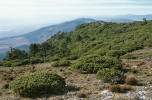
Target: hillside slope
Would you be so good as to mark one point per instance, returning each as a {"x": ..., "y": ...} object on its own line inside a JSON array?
[
  {"x": 103, "y": 38},
  {"x": 39, "y": 36},
  {"x": 116, "y": 52}
]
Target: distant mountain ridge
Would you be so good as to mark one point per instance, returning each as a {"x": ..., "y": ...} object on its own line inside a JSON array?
[
  {"x": 44, "y": 33},
  {"x": 40, "y": 35},
  {"x": 136, "y": 17},
  {"x": 121, "y": 20}
]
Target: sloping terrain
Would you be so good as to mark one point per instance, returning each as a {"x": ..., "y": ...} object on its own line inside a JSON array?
[
  {"x": 101, "y": 48},
  {"x": 40, "y": 35},
  {"x": 85, "y": 85}
]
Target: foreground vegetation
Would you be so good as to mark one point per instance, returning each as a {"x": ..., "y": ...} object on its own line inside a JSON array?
[
  {"x": 96, "y": 48},
  {"x": 80, "y": 85},
  {"x": 38, "y": 84}
]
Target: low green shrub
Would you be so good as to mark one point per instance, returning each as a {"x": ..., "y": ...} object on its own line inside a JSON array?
[
  {"x": 94, "y": 63},
  {"x": 54, "y": 58},
  {"x": 110, "y": 75},
  {"x": 17, "y": 63},
  {"x": 72, "y": 57},
  {"x": 25, "y": 61},
  {"x": 115, "y": 53},
  {"x": 38, "y": 84},
  {"x": 7, "y": 64},
  {"x": 149, "y": 55},
  {"x": 36, "y": 60},
  {"x": 61, "y": 63},
  {"x": 128, "y": 56}
]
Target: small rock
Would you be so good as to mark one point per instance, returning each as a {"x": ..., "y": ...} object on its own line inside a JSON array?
[
  {"x": 131, "y": 95},
  {"x": 106, "y": 95},
  {"x": 134, "y": 67},
  {"x": 140, "y": 94}
]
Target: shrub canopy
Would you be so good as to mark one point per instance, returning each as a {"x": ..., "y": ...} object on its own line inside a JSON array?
[
  {"x": 38, "y": 83},
  {"x": 94, "y": 63}
]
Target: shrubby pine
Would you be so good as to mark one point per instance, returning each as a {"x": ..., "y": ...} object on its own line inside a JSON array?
[{"x": 38, "y": 84}]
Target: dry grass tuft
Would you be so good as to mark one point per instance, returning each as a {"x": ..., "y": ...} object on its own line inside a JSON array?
[
  {"x": 118, "y": 88},
  {"x": 126, "y": 88},
  {"x": 151, "y": 65},
  {"x": 131, "y": 81},
  {"x": 4, "y": 77},
  {"x": 140, "y": 63},
  {"x": 82, "y": 94},
  {"x": 115, "y": 88}
]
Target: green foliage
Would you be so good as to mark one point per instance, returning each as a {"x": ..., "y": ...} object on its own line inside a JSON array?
[
  {"x": 7, "y": 64},
  {"x": 110, "y": 75},
  {"x": 54, "y": 58},
  {"x": 38, "y": 84},
  {"x": 63, "y": 50},
  {"x": 34, "y": 48},
  {"x": 93, "y": 63},
  {"x": 36, "y": 60},
  {"x": 149, "y": 55},
  {"x": 16, "y": 63},
  {"x": 16, "y": 54},
  {"x": 25, "y": 61},
  {"x": 63, "y": 63},
  {"x": 128, "y": 56},
  {"x": 115, "y": 53},
  {"x": 97, "y": 38},
  {"x": 72, "y": 57}
]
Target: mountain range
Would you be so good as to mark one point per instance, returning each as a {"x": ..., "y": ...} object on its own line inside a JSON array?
[
  {"x": 44, "y": 33},
  {"x": 38, "y": 36}
]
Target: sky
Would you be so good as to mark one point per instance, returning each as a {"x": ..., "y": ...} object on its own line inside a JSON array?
[{"x": 15, "y": 13}]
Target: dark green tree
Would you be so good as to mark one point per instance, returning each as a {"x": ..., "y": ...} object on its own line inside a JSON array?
[
  {"x": 34, "y": 48},
  {"x": 64, "y": 50},
  {"x": 16, "y": 54},
  {"x": 45, "y": 47},
  {"x": 68, "y": 39},
  {"x": 78, "y": 38},
  {"x": 144, "y": 21}
]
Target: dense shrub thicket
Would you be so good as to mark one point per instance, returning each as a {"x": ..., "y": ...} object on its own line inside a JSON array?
[
  {"x": 128, "y": 56},
  {"x": 111, "y": 75},
  {"x": 96, "y": 38},
  {"x": 19, "y": 62},
  {"x": 94, "y": 63},
  {"x": 38, "y": 84},
  {"x": 61, "y": 63}
]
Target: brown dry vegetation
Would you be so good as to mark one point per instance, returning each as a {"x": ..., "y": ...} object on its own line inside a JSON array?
[
  {"x": 131, "y": 81},
  {"x": 120, "y": 88},
  {"x": 82, "y": 85}
]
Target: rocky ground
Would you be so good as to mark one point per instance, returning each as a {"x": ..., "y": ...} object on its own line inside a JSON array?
[{"x": 84, "y": 86}]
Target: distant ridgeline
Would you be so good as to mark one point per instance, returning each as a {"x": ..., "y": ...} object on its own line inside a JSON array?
[
  {"x": 39, "y": 36},
  {"x": 95, "y": 38}
]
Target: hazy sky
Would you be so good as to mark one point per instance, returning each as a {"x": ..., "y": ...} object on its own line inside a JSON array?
[
  {"x": 19, "y": 12},
  {"x": 57, "y": 10}
]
